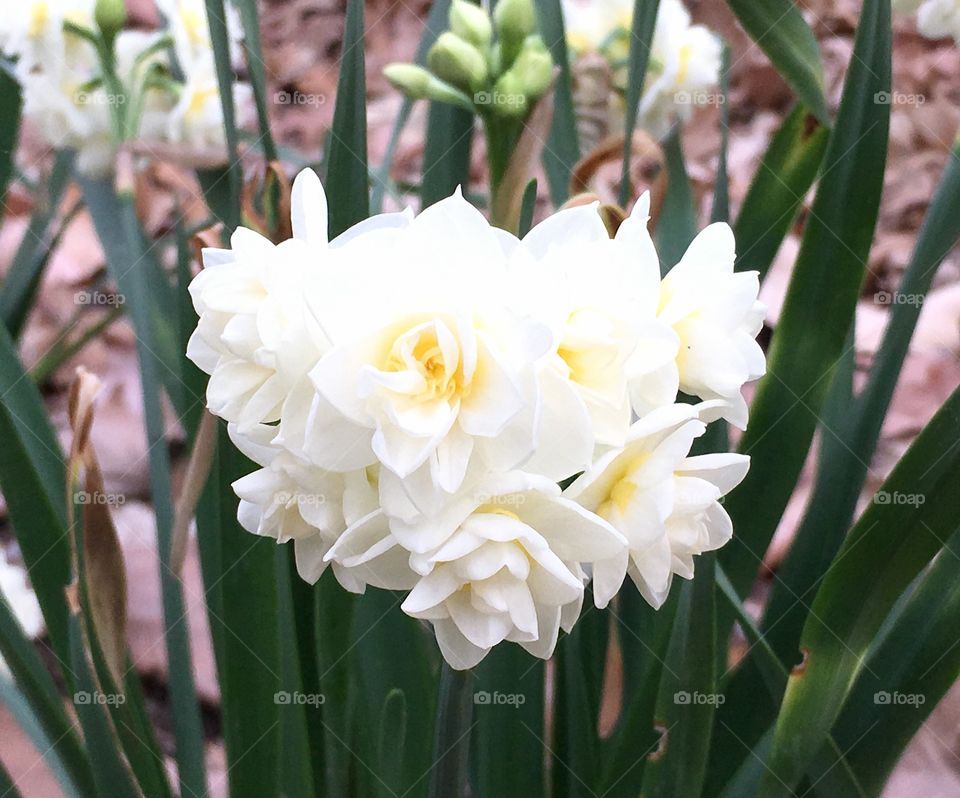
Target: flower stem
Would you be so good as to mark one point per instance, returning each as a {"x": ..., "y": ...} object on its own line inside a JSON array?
[{"x": 451, "y": 746}]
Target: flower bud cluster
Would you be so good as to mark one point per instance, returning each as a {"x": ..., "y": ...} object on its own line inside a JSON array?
[{"x": 495, "y": 66}]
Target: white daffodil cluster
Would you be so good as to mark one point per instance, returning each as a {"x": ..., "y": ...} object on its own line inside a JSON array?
[
  {"x": 684, "y": 61},
  {"x": 936, "y": 19},
  {"x": 88, "y": 87},
  {"x": 417, "y": 390}
]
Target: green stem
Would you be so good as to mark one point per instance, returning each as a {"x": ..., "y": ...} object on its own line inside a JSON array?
[{"x": 451, "y": 746}]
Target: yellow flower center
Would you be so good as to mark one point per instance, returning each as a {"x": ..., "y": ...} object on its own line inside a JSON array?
[
  {"x": 39, "y": 17},
  {"x": 444, "y": 381},
  {"x": 686, "y": 54},
  {"x": 195, "y": 26}
]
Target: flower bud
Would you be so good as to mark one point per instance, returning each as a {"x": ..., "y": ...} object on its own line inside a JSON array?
[
  {"x": 411, "y": 79},
  {"x": 110, "y": 16},
  {"x": 534, "y": 67},
  {"x": 471, "y": 23},
  {"x": 514, "y": 21},
  {"x": 458, "y": 62},
  {"x": 510, "y": 97},
  {"x": 417, "y": 83}
]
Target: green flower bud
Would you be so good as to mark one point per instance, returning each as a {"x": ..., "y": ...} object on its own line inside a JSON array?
[
  {"x": 471, "y": 23},
  {"x": 534, "y": 67},
  {"x": 411, "y": 79},
  {"x": 458, "y": 62},
  {"x": 110, "y": 16},
  {"x": 417, "y": 83},
  {"x": 508, "y": 98},
  {"x": 514, "y": 21}
]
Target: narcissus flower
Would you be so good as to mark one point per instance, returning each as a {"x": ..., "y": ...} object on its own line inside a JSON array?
[
  {"x": 684, "y": 59},
  {"x": 510, "y": 569},
  {"x": 716, "y": 317},
  {"x": 664, "y": 502},
  {"x": 415, "y": 390}
]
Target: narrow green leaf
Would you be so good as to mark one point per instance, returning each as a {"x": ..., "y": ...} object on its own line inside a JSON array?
[
  {"x": 641, "y": 41},
  {"x": 296, "y": 764},
  {"x": 528, "y": 207},
  {"x": 446, "y": 154},
  {"x": 7, "y": 788},
  {"x": 11, "y": 103},
  {"x": 688, "y": 695},
  {"x": 508, "y": 708},
  {"x": 854, "y": 428},
  {"x": 231, "y": 175},
  {"x": 563, "y": 148},
  {"x": 334, "y": 617},
  {"x": 720, "y": 210},
  {"x": 643, "y": 634},
  {"x": 25, "y": 717},
  {"x": 23, "y": 277},
  {"x": 678, "y": 218},
  {"x": 451, "y": 747},
  {"x": 392, "y": 745},
  {"x": 241, "y": 589},
  {"x": 830, "y": 774},
  {"x": 780, "y": 30},
  {"x": 347, "y": 176},
  {"x": 40, "y": 695},
  {"x": 258, "y": 73},
  {"x": 32, "y": 478},
  {"x": 785, "y": 174},
  {"x": 122, "y": 238},
  {"x": 906, "y": 675},
  {"x": 434, "y": 25},
  {"x": 110, "y": 771},
  {"x": 380, "y": 629},
  {"x": 820, "y": 302},
  {"x": 914, "y": 513},
  {"x": 580, "y": 660}
]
